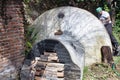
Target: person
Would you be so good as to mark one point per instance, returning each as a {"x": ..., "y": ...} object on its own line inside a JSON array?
[{"x": 104, "y": 17}]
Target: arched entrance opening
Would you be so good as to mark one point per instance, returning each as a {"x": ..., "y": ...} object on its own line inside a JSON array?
[{"x": 57, "y": 60}]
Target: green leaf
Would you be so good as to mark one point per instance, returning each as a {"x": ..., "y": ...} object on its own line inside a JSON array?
[{"x": 28, "y": 44}]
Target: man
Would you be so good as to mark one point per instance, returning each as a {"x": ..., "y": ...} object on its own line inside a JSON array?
[{"x": 106, "y": 20}]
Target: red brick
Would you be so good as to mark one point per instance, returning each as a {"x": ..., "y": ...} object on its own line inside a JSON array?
[
  {"x": 10, "y": 12},
  {"x": 17, "y": 58},
  {"x": 11, "y": 34},
  {"x": 1, "y": 68},
  {"x": 4, "y": 61},
  {"x": 2, "y": 30}
]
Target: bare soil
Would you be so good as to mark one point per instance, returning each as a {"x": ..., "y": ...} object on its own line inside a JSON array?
[{"x": 102, "y": 71}]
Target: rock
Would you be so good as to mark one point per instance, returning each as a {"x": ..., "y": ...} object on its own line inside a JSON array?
[
  {"x": 118, "y": 50},
  {"x": 9, "y": 73}
]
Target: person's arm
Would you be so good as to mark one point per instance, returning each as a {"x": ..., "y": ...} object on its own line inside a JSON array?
[{"x": 107, "y": 19}]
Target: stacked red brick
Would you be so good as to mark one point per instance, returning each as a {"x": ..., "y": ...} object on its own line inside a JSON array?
[{"x": 11, "y": 33}]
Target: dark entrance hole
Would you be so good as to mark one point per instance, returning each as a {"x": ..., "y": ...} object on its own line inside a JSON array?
[{"x": 71, "y": 71}]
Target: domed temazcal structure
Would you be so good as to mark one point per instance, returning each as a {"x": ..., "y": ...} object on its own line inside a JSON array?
[{"x": 80, "y": 32}]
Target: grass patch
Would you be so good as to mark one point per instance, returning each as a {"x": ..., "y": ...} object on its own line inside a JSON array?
[
  {"x": 102, "y": 71},
  {"x": 116, "y": 59}
]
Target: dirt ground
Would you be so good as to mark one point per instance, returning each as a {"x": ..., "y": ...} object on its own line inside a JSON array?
[{"x": 102, "y": 71}]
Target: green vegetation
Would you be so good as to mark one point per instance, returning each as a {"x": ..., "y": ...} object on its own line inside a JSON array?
[
  {"x": 116, "y": 30},
  {"x": 101, "y": 71},
  {"x": 28, "y": 39}
]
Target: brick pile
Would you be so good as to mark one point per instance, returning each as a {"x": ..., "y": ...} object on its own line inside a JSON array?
[
  {"x": 11, "y": 35},
  {"x": 49, "y": 68},
  {"x": 51, "y": 65}
]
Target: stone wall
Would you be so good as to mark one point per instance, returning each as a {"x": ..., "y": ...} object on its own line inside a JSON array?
[{"x": 11, "y": 38}]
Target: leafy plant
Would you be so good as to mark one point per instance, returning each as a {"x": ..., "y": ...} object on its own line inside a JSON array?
[
  {"x": 28, "y": 39},
  {"x": 116, "y": 30},
  {"x": 106, "y": 8},
  {"x": 26, "y": 1}
]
